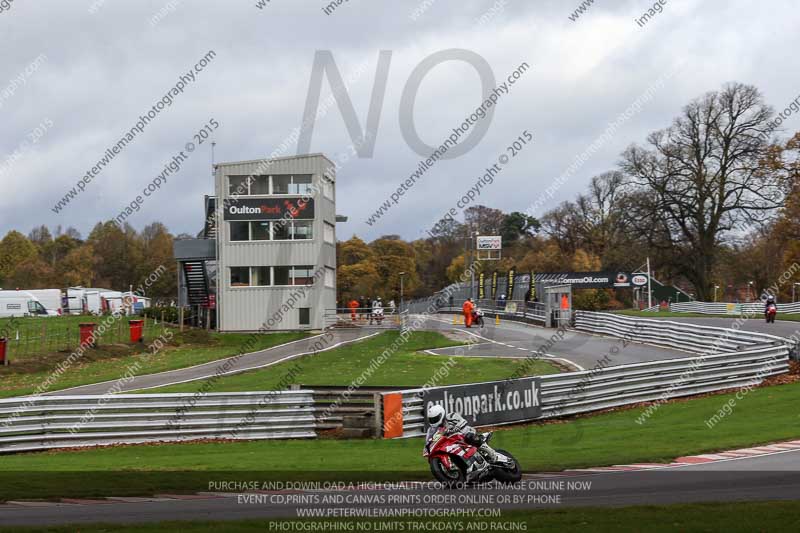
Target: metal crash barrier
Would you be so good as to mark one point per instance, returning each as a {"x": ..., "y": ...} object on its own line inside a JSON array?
[
  {"x": 45, "y": 422},
  {"x": 726, "y": 359}
]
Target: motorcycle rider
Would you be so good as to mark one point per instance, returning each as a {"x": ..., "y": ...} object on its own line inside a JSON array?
[
  {"x": 376, "y": 304},
  {"x": 455, "y": 423},
  {"x": 770, "y": 303}
]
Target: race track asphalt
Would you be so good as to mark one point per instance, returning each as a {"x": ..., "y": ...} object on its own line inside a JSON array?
[
  {"x": 231, "y": 365},
  {"x": 576, "y": 349},
  {"x": 774, "y": 476}
]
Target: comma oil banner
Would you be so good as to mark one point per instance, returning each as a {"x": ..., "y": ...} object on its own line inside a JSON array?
[
  {"x": 481, "y": 286},
  {"x": 494, "y": 284},
  {"x": 494, "y": 402},
  {"x": 510, "y": 284}
]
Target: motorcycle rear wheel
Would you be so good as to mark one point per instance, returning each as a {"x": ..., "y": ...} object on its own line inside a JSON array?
[
  {"x": 446, "y": 476},
  {"x": 508, "y": 475}
]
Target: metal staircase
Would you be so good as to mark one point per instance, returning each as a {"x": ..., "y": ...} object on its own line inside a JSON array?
[{"x": 197, "y": 287}]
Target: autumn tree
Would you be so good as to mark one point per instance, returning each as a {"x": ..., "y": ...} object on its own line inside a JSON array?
[
  {"x": 118, "y": 255},
  {"x": 355, "y": 281},
  {"x": 702, "y": 178},
  {"x": 76, "y": 269},
  {"x": 15, "y": 252},
  {"x": 393, "y": 256},
  {"x": 158, "y": 257},
  {"x": 353, "y": 251}
]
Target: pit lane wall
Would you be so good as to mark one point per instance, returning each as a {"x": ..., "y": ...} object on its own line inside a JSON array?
[{"x": 724, "y": 359}]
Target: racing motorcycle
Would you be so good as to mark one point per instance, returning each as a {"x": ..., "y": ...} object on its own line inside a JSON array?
[
  {"x": 770, "y": 313},
  {"x": 477, "y": 317},
  {"x": 453, "y": 460}
]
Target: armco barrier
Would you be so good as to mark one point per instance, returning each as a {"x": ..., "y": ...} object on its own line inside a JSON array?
[
  {"x": 747, "y": 359},
  {"x": 722, "y": 308},
  {"x": 44, "y": 422},
  {"x": 684, "y": 336}
]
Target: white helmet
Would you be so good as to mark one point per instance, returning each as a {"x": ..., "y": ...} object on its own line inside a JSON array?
[{"x": 435, "y": 415}]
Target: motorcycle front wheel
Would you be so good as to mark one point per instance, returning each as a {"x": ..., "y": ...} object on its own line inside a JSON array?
[
  {"x": 510, "y": 474},
  {"x": 445, "y": 475}
]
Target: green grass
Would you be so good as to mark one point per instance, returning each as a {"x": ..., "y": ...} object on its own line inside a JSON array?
[
  {"x": 728, "y": 517},
  {"x": 341, "y": 366},
  {"x": 675, "y": 314},
  {"x": 30, "y": 338},
  {"x": 765, "y": 415},
  {"x": 109, "y": 362}
]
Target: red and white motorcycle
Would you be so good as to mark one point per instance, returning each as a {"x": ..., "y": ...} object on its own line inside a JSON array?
[
  {"x": 770, "y": 313},
  {"x": 453, "y": 460}
]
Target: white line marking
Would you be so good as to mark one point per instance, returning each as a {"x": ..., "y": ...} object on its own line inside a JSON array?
[{"x": 551, "y": 356}]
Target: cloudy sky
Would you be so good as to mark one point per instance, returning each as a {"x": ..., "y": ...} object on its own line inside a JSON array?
[{"x": 75, "y": 75}]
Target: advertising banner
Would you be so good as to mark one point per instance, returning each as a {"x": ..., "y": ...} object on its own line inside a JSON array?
[
  {"x": 494, "y": 284},
  {"x": 485, "y": 242},
  {"x": 493, "y": 402},
  {"x": 510, "y": 285},
  {"x": 269, "y": 209},
  {"x": 594, "y": 280},
  {"x": 481, "y": 286}
]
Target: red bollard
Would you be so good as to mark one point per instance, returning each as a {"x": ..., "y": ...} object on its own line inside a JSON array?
[
  {"x": 87, "y": 334},
  {"x": 136, "y": 330},
  {"x": 3, "y": 343}
]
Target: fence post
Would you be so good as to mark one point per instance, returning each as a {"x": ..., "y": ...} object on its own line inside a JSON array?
[{"x": 377, "y": 400}]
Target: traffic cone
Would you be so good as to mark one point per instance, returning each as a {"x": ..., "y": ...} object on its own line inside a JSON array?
[
  {"x": 455, "y": 320},
  {"x": 497, "y": 319}
]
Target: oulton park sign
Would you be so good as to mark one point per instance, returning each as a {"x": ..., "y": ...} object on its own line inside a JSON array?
[{"x": 270, "y": 209}]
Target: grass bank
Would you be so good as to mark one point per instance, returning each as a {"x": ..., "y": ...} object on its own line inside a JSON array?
[{"x": 341, "y": 366}]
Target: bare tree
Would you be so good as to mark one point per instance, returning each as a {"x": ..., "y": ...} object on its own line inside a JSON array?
[{"x": 703, "y": 176}]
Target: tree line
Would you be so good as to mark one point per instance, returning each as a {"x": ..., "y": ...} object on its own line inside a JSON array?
[
  {"x": 111, "y": 257},
  {"x": 713, "y": 199}
]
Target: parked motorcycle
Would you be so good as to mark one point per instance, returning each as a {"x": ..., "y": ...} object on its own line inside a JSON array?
[
  {"x": 477, "y": 317},
  {"x": 770, "y": 313},
  {"x": 453, "y": 460},
  {"x": 377, "y": 315}
]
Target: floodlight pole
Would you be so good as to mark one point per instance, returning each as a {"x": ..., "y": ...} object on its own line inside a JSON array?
[{"x": 473, "y": 246}]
